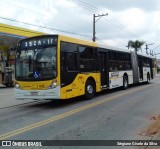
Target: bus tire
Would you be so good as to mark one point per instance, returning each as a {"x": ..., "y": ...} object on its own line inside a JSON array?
[
  {"x": 90, "y": 89},
  {"x": 125, "y": 82},
  {"x": 148, "y": 78}
]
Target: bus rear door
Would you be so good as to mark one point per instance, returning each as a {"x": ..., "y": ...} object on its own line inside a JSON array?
[{"x": 103, "y": 56}]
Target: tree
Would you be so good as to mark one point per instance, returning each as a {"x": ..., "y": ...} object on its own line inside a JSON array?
[{"x": 135, "y": 44}]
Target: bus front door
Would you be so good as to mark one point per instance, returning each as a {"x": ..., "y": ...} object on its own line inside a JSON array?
[{"x": 104, "y": 70}]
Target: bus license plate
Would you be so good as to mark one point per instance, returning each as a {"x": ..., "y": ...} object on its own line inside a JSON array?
[{"x": 34, "y": 93}]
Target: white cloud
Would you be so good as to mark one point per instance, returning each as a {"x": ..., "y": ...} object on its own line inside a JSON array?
[
  {"x": 156, "y": 20},
  {"x": 134, "y": 17}
]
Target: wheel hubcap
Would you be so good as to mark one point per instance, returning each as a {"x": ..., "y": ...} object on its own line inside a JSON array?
[
  {"x": 125, "y": 83},
  {"x": 89, "y": 89}
]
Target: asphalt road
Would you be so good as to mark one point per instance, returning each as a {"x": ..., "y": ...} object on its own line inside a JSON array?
[{"x": 111, "y": 115}]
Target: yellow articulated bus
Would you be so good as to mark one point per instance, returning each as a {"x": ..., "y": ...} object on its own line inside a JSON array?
[{"x": 60, "y": 67}]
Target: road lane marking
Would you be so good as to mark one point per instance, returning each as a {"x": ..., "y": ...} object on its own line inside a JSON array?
[{"x": 66, "y": 114}]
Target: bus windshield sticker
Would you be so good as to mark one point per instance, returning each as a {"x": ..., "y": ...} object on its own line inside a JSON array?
[{"x": 36, "y": 74}]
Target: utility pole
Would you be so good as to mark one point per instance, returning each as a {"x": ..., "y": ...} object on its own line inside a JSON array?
[
  {"x": 94, "y": 24},
  {"x": 147, "y": 47}
]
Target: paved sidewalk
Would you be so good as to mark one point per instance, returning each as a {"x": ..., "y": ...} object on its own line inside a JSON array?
[
  {"x": 7, "y": 98},
  {"x": 1, "y": 86},
  {"x": 157, "y": 75}
]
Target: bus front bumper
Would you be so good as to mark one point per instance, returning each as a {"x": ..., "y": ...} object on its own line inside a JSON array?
[{"x": 37, "y": 94}]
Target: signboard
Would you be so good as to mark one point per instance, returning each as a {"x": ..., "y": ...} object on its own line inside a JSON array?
[{"x": 38, "y": 42}]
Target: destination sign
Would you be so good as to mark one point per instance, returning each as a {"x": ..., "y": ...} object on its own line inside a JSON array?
[{"x": 38, "y": 42}]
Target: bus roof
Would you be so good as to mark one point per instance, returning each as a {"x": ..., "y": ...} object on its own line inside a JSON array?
[
  {"x": 76, "y": 40},
  {"x": 94, "y": 44},
  {"x": 114, "y": 48},
  {"x": 90, "y": 43},
  {"x": 145, "y": 55}
]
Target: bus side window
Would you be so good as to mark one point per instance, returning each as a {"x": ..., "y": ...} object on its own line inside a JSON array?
[
  {"x": 72, "y": 61},
  {"x": 113, "y": 66},
  {"x": 68, "y": 57},
  {"x": 88, "y": 59},
  {"x": 63, "y": 61}
]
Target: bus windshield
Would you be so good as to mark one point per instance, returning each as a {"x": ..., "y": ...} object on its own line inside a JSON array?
[{"x": 36, "y": 64}]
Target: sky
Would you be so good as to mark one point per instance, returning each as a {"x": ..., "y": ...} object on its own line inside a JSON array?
[{"x": 125, "y": 20}]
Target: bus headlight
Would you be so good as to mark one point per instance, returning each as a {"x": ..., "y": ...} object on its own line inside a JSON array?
[
  {"x": 17, "y": 86},
  {"x": 53, "y": 85}
]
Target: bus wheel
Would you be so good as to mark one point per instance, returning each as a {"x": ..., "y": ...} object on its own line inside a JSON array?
[
  {"x": 125, "y": 82},
  {"x": 148, "y": 78},
  {"x": 89, "y": 89}
]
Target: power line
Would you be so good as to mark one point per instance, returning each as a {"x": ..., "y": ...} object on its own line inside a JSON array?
[
  {"x": 96, "y": 10},
  {"x": 115, "y": 20},
  {"x": 36, "y": 12},
  {"x": 91, "y": 9},
  {"x": 122, "y": 27},
  {"x": 53, "y": 29},
  {"x": 87, "y": 7}
]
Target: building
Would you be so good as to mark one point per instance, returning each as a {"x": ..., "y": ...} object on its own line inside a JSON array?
[{"x": 9, "y": 37}]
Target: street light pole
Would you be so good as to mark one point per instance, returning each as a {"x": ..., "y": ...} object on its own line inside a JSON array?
[{"x": 94, "y": 24}]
